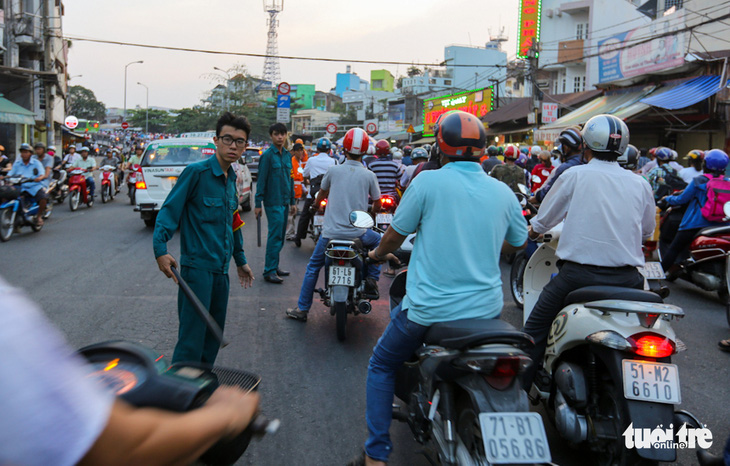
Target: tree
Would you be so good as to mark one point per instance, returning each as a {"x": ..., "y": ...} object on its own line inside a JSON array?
[
  {"x": 82, "y": 103},
  {"x": 414, "y": 71},
  {"x": 159, "y": 120},
  {"x": 194, "y": 119}
]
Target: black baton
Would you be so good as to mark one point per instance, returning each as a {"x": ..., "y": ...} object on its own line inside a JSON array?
[{"x": 200, "y": 309}]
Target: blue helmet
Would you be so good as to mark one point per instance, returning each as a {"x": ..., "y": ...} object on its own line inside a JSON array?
[
  {"x": 324, "y": 145},
  {"x": 716, "y": 160},
  {"x": 664, "y": 154}
]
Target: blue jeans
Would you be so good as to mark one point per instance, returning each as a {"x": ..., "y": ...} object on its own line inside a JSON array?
[
  {"x": 398, "y": 343},
  {"x": 92, "y": 185},
  {"x": 370, "y": 240}
]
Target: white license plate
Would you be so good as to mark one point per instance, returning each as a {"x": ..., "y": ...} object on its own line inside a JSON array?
[
  {"x": 652, "y": 271},
  {"x": 341, "y": 276},
  {"x": 514, "y": 438},
  {"x": 318, "y": 220},
  {"x": 651, "y": 381},
  {"x": 384, "y": 219}
]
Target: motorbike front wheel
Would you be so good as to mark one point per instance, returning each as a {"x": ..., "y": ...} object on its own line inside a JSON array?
[
  {"x": 105, "y": 194},
  {"x": 73, "y": 200},
  {"x": 516, "y": 278},
  {"x": 7, "y": 220},
  {"x": 340, "y": 310}
]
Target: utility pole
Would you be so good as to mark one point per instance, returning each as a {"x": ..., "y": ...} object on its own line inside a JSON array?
[
  {"x": 147, "y": 109},
  {"x": 495, "y": 82},
  {"x": 532, "y": 74},
  {"x": 48, "y": 65}
]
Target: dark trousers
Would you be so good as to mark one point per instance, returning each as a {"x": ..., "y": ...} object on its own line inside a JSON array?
[
  {"x": 551, "y": 301},
  {"x": 681, "y": 240},
  {"x": 305, "y": 216},
  {"x": 195, "y": 343}
]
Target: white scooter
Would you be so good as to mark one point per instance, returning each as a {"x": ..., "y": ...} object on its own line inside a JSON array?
[{"x": 607, "y": 366}]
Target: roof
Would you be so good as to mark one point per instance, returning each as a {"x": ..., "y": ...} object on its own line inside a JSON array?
[
  {"x": 519, "y": 108},
  {"x": 686, "y": 93},
  {"x": 14, "y": 113}
]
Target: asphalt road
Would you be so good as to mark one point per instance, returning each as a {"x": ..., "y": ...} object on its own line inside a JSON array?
[{"x": 94, "y": 274}]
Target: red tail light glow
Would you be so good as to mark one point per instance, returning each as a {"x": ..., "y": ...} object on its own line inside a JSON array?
[
  {"x": 323, "y": 203},
  {"x": 140, "y": 184},
  {"x": 504, "y": 372},
  {"x": 652, "y": 345}
]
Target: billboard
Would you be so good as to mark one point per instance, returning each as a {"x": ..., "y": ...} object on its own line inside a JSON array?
[
  {"x": 477, "y": 102},
  {"x": 528, "y": 27},
  {"x": 618, "y": 59}
]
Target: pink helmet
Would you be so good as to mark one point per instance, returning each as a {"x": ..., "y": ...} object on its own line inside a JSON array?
[{"x": 356, "y": 141}]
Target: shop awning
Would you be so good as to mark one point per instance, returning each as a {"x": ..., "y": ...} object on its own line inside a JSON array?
[
  {"x": 685, "y": 94},
  {"x": 619, "y": 103},
  {"x": 14, "y": 113},
  {"x": 429, "y": 140}
]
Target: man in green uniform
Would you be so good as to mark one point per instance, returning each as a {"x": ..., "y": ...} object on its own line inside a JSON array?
[
  {"x": 275, "y": 189},
  {"x": 202, "y": 204}
]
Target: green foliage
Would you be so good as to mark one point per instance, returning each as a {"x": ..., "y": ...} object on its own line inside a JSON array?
[
  {"x": 159, "y": 120},
  {"x": 194, "y": 119},
  {"x": 414, "y": 71},
  {"x": 81, "y": 102}
]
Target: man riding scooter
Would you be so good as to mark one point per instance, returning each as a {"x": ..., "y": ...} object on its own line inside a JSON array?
[
  {"x": 608, "y": 212},
  {"x": 89, "y": 163},
  {"x": 27, "y": 167}
]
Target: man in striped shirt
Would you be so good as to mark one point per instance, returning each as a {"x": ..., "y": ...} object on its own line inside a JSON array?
[{"x": 387, "y": 170}]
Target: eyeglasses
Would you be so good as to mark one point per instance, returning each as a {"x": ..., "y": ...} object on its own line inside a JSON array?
[{"x": 228, "y": 140}]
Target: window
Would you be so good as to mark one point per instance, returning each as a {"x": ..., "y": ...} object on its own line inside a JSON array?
[
  {"x": 670, "y": 3},
  {"x": 576, "y": 84},
  {"x": 579, "y": 31},
  {"x": 377, "y": 83},
  {"x": 564, "y": 88},
  {"x": 583, "y": 87},
  {"x": 447, "y": 82}
]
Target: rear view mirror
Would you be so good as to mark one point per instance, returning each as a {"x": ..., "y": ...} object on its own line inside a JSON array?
[
  {"x": 360, "y": 219},
  {"x": 522, "y": 188}
]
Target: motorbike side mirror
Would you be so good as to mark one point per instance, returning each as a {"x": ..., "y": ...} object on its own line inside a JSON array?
[
  {"x": 360, "y": 219},
  {"x": 300, "y": 170},
  {"x": 522, "y": 188},
  {"x": 726, "y": 209}
]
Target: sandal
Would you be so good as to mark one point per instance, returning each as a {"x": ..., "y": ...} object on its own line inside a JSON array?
[
  {"x": 39, "y": 221},
  {"x": 724, "y": 345}
]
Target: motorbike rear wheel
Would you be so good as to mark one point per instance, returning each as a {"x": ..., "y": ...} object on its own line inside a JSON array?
[
  {"x": 105, "y": 194},
  {"x": 35, "y": 227},
  {"x": 49, "y": 210},
  {"x": 340, "y": 310},
  {"x": 73, "y": 200},
  {"x": 516, "y": 277},
  {"x": 6, "y": 225}
]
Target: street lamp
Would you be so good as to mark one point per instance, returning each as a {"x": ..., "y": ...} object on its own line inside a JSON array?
[
  {"x": 147, "y": 109},
  {"x": 75, "y": 76},
  {"x": 228, "y": 76},
  {"x": 124, "y": 117}
]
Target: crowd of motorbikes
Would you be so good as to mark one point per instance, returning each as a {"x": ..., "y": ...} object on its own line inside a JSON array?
[{"x": 18, "y": 210}]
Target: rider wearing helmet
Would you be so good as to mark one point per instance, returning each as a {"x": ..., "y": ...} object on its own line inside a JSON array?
[
  {"x": 313, "y": 173},
  {"x": 492, "y": 159},
  {"x": 32, "y": 169},
  {"x": 695, "y": 158},
  {"x": 346, "y": 188},
  {"x": 542, "y": 170},
  {"x": 652, "y": 163},
  {"x": 510, "y": 173},
  {"x": 438, "y": 289},
  {"x": 571, "y": 142},
  {"x": 664, "y": 179},
  {"x": 419, "y": 156},
  {"x": 607, "y": 212},
  {"x": 388, "y": 171},
  {"x": 533, "y": 158},
  {"x": 715, "y": 163},
  {"x": 629, "y": 158},
  {"x": 407, "y": 161}
]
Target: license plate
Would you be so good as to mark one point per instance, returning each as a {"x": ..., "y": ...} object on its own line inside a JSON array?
[
  {"x": 652, "y": 271},
  {"x": 318, "y": 220},
  {"x": 384, "y": 219},
  {"x": 651, "y": 381},
  {"x": 342, "y": 276},
  {"x": 173, "y": 180},
  {"x": 514, "y": 438}
]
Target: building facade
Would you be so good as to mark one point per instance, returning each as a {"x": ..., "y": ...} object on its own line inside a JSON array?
[
  {"x": 349, "y": 81},
  {"x": 382, "y": 80}
]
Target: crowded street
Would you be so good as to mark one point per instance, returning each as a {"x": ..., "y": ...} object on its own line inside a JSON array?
[{"x": 94, "y": 274}]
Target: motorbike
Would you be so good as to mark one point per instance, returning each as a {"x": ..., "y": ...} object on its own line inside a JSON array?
[
  {"x": 345, "y": 270},
  {"x": 58, "y": 187},
  {"x": 78, "y": 190},
  {"x": 143, "y": 378},
  {"x": 462, "y": 392},
  {"x": 17, "y": 210},
  {"x": 607, "y": 364},
  {"x": 317, "y": 223},
  {"x": 519, "y": 263},
  {"x": 384, "y": 218},
  {"x": 108, "y": 183},
  {"x": 132, "y": 175}
]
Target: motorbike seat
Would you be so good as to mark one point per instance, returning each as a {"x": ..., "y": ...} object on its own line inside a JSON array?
[
  {"x": 600, "y": 292},
  {"x": 710, "y": 231},
  {"x": 460, "y": 334}
]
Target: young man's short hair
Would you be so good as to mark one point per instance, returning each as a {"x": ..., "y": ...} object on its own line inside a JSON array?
[
  {"x": 297, "y": 147},
  {"x": 229, "y": 119},
  {"x": 277, "y": 128}
]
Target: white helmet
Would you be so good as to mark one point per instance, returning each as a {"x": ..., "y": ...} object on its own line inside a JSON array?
[
  {"x": 674, "y": 154},
  {"x": 535, "y": 150},
  {"x": 397, "y": 155},
  {"x": 371, "y": 149},
  {"x": 606, "y": 133}
]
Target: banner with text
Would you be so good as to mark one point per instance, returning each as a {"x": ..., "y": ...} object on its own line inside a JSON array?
[{"x": 477, "y": 102}]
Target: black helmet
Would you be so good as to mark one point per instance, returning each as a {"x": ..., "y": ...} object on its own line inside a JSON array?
[
  {"x": 500, "y": 150},
  {"x": 419, "y": 153},
  {"x": 492, "y": 151},
  {"x": 630, "y": 158},
  {"x": 571, "y": 137},
  {"x": 460, "y": 135},
  {"x": 407, "y": 151},
  {"x": 39, "y": 144}
]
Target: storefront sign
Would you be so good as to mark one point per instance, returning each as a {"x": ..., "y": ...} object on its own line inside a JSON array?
[
  {"x": 549, "y": 112},
  {"x": 529, "y": 26},
  {"x": 477, "y": 102},
  {"x": 618, "y": 61}
]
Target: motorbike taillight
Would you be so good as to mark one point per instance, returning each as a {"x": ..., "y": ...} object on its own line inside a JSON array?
[
  {"x": 140, "y": 184},
  {"x": 652, "y": 345},
  {"x": 505, "y": 370}
]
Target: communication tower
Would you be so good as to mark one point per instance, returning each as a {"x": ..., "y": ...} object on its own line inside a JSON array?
[
  {"x": 495, "y": 42},
  {"x": 271, "y": 63}
]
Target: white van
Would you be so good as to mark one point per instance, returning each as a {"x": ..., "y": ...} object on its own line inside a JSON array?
[{"x": 162, "y": 163}]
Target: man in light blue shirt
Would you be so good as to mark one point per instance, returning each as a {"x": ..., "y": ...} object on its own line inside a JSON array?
[
  {"x": 27, "y": 167},
  {"x": 463, "y": 219}
]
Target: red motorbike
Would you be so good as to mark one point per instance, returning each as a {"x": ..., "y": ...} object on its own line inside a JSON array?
[{"x": 78, "y": 191}]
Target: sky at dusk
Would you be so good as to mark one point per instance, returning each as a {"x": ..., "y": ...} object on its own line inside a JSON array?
[{"x": 389, "y": 30}]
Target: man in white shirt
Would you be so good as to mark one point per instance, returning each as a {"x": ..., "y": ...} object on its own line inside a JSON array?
[
  {"x": 314, "y": 171},
  {"x": 695, "y": 158},
  {"x": 608, "y": 212},
  {"x": 89, "y": 163}
]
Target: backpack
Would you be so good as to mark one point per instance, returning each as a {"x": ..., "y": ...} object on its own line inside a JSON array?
[
  {"x": 718, "y": 193},
  {"x": 672, "y": 183},
  {"x": 511, "y": 175}
]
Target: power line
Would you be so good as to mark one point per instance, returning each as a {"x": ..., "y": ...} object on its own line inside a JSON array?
[{"x": 262, "y": 55}]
